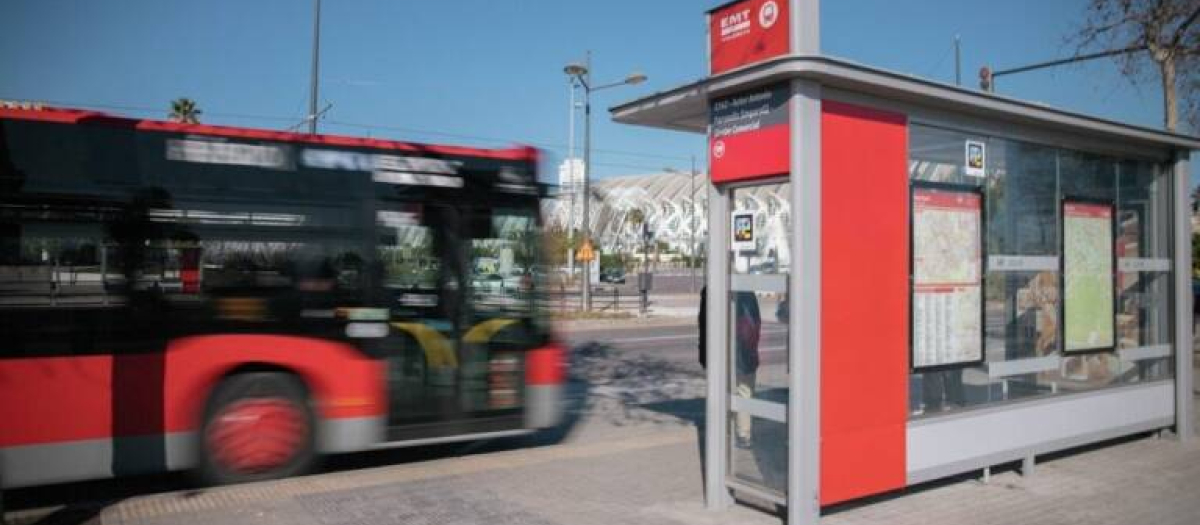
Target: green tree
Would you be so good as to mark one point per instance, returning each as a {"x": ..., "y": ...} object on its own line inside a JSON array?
[
  {"x": 184, "y": 110},
  {"x": 556, "y": 244},
  {"x": 636, "y": 217}
]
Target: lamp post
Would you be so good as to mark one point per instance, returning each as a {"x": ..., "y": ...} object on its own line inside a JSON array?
[
  {"x": 571, "y": 181},
  {"x": 582, "y": 75}
]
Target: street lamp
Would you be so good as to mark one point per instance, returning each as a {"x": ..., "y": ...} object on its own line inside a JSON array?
[{"x": 581, "y": 74}]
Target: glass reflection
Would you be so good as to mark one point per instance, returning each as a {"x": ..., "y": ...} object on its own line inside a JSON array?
[{"x": 1023, "y": 188}]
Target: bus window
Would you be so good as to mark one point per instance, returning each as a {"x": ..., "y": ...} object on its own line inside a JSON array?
[
  {"x": 406, "y": 253},
  {"x": 51, "y": 264},
  {"x": 503, "y": 252}
]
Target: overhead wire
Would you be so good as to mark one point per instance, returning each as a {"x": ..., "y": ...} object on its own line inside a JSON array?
[
  {"x": 937, "y": 66},
  {"x": 548, "y": 145}
]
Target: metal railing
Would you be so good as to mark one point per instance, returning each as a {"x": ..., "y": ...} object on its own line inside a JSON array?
[{"x": 605, "y": 298}]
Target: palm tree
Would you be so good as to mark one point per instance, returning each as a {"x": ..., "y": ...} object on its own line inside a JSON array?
[
  {"x": 636, "y": 217},
  {"x": 184, "y": 110}
]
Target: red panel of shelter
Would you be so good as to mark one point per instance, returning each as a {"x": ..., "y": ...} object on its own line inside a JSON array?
[
  {"x": 864, "y": 301},
  {"x": 752, "y": 155}
]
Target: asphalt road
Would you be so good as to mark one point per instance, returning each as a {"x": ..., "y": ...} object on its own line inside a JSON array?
[{"x": 624, "y": 382}]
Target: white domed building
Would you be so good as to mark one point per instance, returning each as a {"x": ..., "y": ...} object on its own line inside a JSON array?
[{"x": 666, "y": 201}]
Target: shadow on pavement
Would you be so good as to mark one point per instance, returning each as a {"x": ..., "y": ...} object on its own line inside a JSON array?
[
  {"x": 82, "y": 502},
  {"x": 626, "y": 389}
]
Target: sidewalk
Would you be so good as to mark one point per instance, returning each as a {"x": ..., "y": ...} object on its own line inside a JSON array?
[{"x": 650, "y": 474}]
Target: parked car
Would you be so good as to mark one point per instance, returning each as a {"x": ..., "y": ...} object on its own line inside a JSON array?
[
  {"x": 612, "y": 275},
  {"x": 490, "y": 282},
  {"x": 514, "y": 280}
]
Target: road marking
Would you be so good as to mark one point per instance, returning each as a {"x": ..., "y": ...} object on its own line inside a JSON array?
[
  {"x": 672, "y": 337},
  {"x": 648, "y": 339}
]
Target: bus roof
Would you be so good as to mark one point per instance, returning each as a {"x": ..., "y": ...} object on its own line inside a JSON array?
[{"x": 83, "y": 116}]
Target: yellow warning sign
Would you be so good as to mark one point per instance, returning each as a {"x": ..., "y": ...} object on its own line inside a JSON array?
[{"x": 586, "y": 252}]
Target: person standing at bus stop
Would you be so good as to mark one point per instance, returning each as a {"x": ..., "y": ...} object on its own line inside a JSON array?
[{"x": 747, "y": 331}]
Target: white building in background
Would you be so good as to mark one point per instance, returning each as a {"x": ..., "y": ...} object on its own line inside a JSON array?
[{"x": 665, "y": 200}]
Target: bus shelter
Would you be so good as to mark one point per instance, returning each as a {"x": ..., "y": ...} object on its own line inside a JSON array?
[{"x": 910, "y": 280}]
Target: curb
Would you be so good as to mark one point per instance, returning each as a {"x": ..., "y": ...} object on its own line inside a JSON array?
[{"x": 583, "y": 325}]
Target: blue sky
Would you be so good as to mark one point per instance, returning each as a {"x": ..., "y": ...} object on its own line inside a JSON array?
[{"x": 489, "y": 72}]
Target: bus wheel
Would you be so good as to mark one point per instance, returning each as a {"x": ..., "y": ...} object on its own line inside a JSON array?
[{"x": 257, "y": 426}]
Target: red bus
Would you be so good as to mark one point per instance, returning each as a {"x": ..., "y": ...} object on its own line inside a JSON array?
[{"x": 240, "y": 301}]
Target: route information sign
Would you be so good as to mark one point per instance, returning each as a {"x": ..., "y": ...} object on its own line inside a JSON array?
[
  {"x": 947, "y": 278},
  {"x": 1087, "y": 276}
]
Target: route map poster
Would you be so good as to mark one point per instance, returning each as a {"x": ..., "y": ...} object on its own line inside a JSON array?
[
  {"x": 947, "y": 305},
  {"x": 1087, "y": 276}
]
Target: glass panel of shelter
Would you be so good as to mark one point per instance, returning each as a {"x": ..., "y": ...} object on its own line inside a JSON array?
[
  {"x": 1024, "y": 185},
  {"x": 758, "y": 337}
]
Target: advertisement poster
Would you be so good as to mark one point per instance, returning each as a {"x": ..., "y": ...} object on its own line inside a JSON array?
[
  {"x": 742, "y": 226},
  {"x": 1087, "y": 276},
  {"x": 947, "y": 313},
  {"x": 747, "y": 32},
  {"x": 749, "y": 135},
  {"x": 976, "y": 159}
]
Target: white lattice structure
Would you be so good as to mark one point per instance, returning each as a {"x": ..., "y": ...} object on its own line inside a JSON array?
[{"x": 665, "y": 200}]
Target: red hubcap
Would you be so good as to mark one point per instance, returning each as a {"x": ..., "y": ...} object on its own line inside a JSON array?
[{"x": 253, "y": 436}]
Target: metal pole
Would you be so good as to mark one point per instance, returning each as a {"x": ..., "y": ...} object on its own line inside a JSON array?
[
  {"x": 692, "y": 219},
  {"x": 587, "y": 175},
  {"x": 643, "y": 279},
  {"x": 316, "y": 64},
  {"x": 1062, "y": 61},
  {"x": 804, "y": 312},
  {"x": 571, "y": 181},
  {"x": 1185, "y": 424},
  {"x": 716, "y": 406},
  {"x": 957, "y": 60}
]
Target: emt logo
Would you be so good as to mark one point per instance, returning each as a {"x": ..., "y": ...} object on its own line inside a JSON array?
[{"x": 768, "y": 14}]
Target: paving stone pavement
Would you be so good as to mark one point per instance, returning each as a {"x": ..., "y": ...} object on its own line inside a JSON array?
[
  {"x": 640, "y": 464},
  {"x": 651, "y": 475}
]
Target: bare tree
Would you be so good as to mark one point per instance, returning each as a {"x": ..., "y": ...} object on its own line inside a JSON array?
[{"x": 1164, "y": 31}]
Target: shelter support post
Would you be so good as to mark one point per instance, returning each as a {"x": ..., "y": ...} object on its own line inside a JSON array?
[
  {"x": 804, "y": 292},
  {"x": 716, "y": 496},
  {"x": 1184, "y": 345}
]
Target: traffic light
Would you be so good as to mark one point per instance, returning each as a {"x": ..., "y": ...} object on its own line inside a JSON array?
[{"x": 986, "y": 82}]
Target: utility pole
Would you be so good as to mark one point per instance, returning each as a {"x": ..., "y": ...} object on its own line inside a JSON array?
[
  {"x": 586, "y": 80},
  {"x": 316, "y": 65},
  {"x": 571, "y": 181},
  {"x": 957, "y": 60}
]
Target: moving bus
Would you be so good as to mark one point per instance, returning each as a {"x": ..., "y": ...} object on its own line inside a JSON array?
[{"x": 239, "y": 301}]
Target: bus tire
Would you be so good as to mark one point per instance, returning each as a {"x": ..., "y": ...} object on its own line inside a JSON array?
[{"x": 257, "y": 426}]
